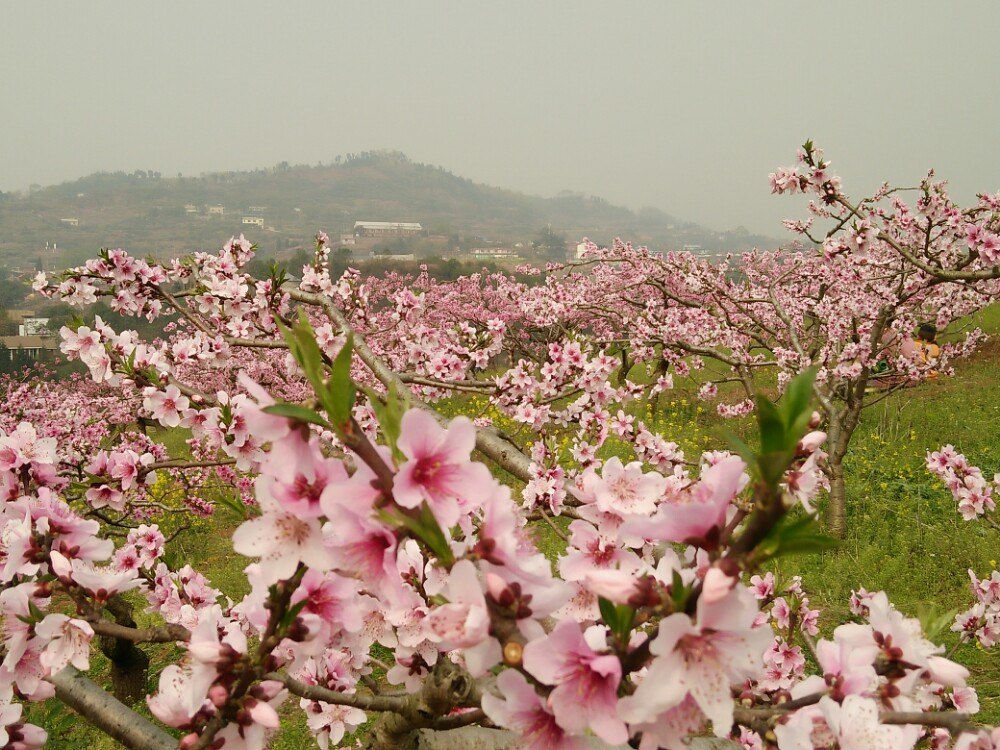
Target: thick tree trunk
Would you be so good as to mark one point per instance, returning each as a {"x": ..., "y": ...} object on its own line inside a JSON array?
[
  {"x": 836, "y": 517},
  {"x": 840, "y": 430},
  {"x": 129, "y": 663}
]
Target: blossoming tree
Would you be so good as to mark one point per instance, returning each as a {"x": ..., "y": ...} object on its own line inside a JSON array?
[{"x": 373, "y": 524}]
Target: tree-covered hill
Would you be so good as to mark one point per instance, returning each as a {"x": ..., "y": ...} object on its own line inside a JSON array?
[{"x": 145, "y": 211}]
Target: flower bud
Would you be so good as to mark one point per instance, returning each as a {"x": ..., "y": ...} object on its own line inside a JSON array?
[
  {"x": 498, "y": 590},
  {"x": 218, "y": 695},
  {"x": 810, "y": 443},
  {"x": 267, "y": 689}
]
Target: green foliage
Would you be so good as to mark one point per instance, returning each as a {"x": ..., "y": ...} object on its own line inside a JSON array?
[
  {"x": 424, "y": 527},
  {"x": 340, "y": 391},
  {"x": 143, "y": 212},
  {"x": 781, "y": 427},
  {"x": 297, "y": 412},
  {"x": 618, "y": 617},
  {"x": 795, "y": 535},
  {"x": 337, "y": 392},
  {"x": 389, "y": 414}
]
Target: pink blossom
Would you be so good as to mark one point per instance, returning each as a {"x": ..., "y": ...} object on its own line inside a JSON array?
[
  {"x": 67, "y": 642},
  {"x": 464, "y": 623},
  {"x": 705, "y": 507},
  {"x": 625, "y": 490},
  {"x": 100, "y": 582},
  {"x": 524, "y": 712},
  {"x": 586, "y": 682},
  {"x": 701, "y": 658},
  {"x": 763, "y": 586},
  {"x": 856, "y": 726},
  {"x": 439, "y": 470},
  {"x": 282, "y": 540},
  {"x": 174, "y": 702},
  {"x": 165, "y": 406}
]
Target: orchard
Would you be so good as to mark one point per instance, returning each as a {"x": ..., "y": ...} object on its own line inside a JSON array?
[{"x": 397, "y": 595}]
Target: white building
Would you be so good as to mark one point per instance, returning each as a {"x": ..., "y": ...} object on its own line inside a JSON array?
[
  {"x": 33, "y": 327},
  {"x": 190, "y": 208},
  {"x": 216, "y": 210},
  {"x": 492, "y": 253},
  {"x": 394, "y": 256},
  {"x": 73, "y": 221},
  {"x": 255, "y": 220},
  {"x": 387, "y": 228}
]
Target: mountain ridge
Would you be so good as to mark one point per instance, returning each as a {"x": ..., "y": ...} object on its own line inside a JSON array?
[{"x": 145, "y": 212}]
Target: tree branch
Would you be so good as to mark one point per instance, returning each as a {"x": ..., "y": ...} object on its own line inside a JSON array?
[
  {"x": 108, "y": 714},
  {"x": 490, "y": 444}
]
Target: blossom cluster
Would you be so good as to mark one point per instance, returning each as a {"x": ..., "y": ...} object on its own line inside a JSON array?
[
  {"x": 972, "y": 491},
  {"x": 369, "y": 523}
]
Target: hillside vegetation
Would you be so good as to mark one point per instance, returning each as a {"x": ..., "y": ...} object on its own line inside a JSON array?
[{"x": 145, "y": 211}]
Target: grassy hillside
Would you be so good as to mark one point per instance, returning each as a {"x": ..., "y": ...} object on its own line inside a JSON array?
[{"x": 145, "y": 212}]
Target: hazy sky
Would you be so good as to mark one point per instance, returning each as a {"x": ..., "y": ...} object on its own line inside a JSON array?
[{"x": 681, "y": 105}]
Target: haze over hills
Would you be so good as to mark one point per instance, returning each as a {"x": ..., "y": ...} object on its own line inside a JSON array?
[{"x": 148, "y": 213}]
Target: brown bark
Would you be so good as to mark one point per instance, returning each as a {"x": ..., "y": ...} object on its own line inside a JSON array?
[
  {"x": 448, "y": 687},
  {"x": 109, "y": 715},
  {"x": 841, "y": 430},
  {"x": 836, "y": 517},
  {"x": 129, "y": 663},
  {"x": 481, "y": 738}
]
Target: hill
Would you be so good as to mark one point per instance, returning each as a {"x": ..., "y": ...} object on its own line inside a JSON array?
[{"x": 146, "y": 212}]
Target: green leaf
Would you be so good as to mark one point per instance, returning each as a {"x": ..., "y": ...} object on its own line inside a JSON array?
[
  {"x": 773, "y": 466},
  {"x": 340, "y": 392},
  {"x": 796, "y": 406},
  {"x": 424, "y": 526},
  {"x": 772, "y": 427},
  {"x": 798, "y": 395},
  {"x": 781, "y": 428},
  {"x": 234, "y": 504},
  {"x": 434, "y": 537},
  {"x": 36, "y": 613},
  {"x": 301, "y": 340},
  {"x": 740, "y": 448},
  {"x": 626, "y": 617},
  {"x": 618, "y": 617},
  {"x": 678, "y": 591},
  {"x": 389, "y": 415},
  {"x": 933, "y": 621},
  {"x": 609, "y": 613},
  {"x": 336, "y": 394},
  {"x": 795, "y": 536},
  {"x": 292, "y": 612},
  {"x": 297, "y": 412}
]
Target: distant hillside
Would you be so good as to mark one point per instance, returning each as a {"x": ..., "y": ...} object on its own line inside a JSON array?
[{"x": 145, "y": 212}]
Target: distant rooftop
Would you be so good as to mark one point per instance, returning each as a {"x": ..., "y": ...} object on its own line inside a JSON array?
[
  {"x": 388, "y": 225},
  {"x": 29, "y": 342}
]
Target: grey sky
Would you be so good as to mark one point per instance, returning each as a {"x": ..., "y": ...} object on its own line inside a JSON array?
[{"x": 684, "y": 106}]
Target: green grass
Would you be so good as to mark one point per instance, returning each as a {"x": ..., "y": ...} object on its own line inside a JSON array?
[{"x": 904, "y": 534}]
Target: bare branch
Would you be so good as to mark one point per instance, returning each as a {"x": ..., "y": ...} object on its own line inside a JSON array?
[{"x": 108, "y": 714}]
